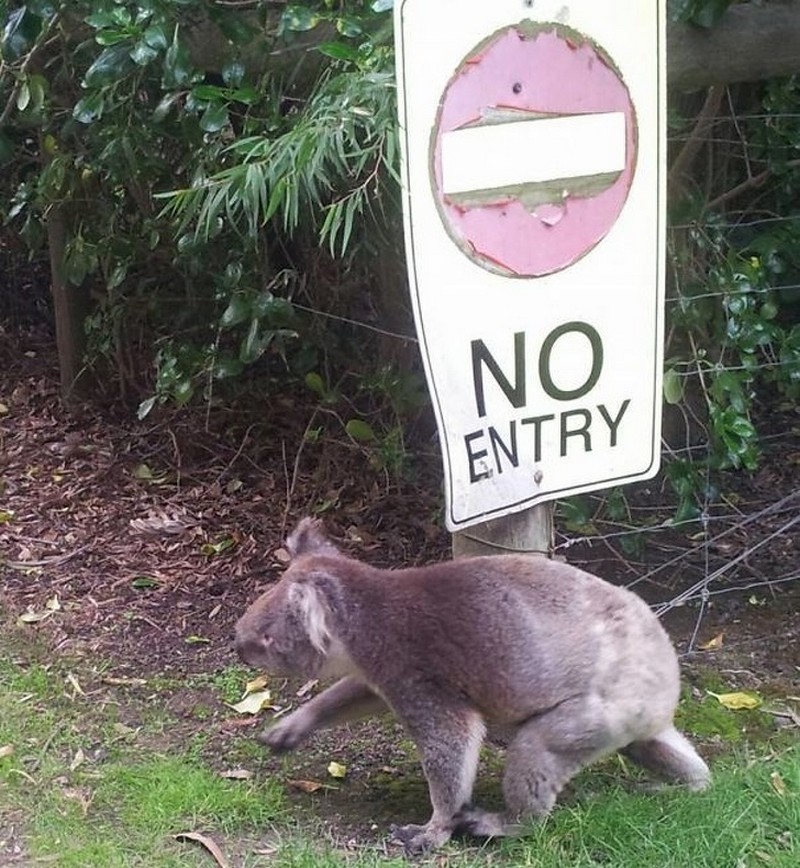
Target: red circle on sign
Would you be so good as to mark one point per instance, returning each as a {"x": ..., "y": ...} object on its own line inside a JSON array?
[{"x": 532, "y": 71}]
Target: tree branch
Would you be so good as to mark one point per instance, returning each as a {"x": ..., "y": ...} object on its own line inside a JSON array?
[{"x": 750, "y": 43}]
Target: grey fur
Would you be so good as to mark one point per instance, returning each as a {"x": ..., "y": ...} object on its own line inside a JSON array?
[{"x": 569, "y": 667}]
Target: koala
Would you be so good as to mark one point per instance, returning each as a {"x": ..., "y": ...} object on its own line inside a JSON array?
[{"x": 567, "y": 666}]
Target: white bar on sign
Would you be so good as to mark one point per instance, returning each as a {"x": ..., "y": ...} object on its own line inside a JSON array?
[{"x": 532, "y": 151}]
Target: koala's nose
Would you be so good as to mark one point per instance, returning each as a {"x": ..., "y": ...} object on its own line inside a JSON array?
[
  {"x": 241, "y": 640},
  {"x": 251, "y": 646}
]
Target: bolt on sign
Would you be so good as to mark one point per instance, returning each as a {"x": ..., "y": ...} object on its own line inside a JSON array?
[{"x": 533, "y": 141}]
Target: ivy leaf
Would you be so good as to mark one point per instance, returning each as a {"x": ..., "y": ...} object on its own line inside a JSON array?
[
  {"x": 382, "y": 5},
  {"x": 298, "y": 19},
  {"x": 349, "y": 27}
]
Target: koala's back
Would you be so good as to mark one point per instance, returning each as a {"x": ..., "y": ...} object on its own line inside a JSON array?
[{"x": 518, "y": 635}]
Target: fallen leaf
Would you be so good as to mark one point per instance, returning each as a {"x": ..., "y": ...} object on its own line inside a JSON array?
[
  {"x": 144, "y": 583},
  {"x": 124, "y": 682},
  {"x": 82, "y": 795},
  {"x": 713, "y": 644},
  {"x": 237, "y": 775},
  {"x": 142, "y": 471},
  {"x": 6, "y": 750},
  {"x": 253, "y": 703},
  {"x": 778, "y": 783},
  {"x": 32, "y": 617},
  {"x": 337, "y": 770},
  {"x": 205, "y": 841},
  {"x": 3, "y": 408},
  {"x": 196, "y": 640},
  {"x": 78, "y": 760},
  {"x": 282, "y": 556},
  {"x": 76, "y": 687},
  {"x": 6, "y": 515},
  {"x": 305, "y": 786},
  {"x": 161, "y": 523},
  {"x": 736, "y": 701},
  {"x": 218, "y": 547},
  {"x": 255, "y": 685},
  {"x": 307, "y": 687}
]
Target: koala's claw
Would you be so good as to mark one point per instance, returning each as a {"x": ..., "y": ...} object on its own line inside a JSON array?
[{"x": 418, "y": 840}]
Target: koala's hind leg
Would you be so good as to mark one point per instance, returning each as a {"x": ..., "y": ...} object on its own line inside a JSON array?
[
  {"x": 672, "y": 757},
  {"x": 449, "y": 740},
  {"x": 547, "y": 751}
]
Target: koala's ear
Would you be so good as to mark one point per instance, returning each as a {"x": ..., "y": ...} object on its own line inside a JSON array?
[
  {"x": 312, "y": 612},
  {"x": 308, "y": 538}
]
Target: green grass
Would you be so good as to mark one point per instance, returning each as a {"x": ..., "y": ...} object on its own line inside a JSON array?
[
  {"x": 93, "y": 789},
  {"x": 107, "y": 778}
]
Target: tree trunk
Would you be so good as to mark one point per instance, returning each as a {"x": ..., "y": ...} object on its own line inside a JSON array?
[{"x": 70, "y": 305}]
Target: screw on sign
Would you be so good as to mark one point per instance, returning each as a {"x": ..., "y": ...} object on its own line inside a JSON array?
[{"x": 534, "y": 149}]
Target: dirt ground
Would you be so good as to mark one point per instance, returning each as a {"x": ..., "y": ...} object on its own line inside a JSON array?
[{"x": 152, "y": 536}]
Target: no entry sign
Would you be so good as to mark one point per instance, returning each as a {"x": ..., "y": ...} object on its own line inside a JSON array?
[{"x": 533, "y": 144}]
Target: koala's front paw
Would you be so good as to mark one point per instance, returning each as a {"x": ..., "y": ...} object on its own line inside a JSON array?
[
  {"x": 417, "y": 840},
  {"x": 282, "y": 737}
]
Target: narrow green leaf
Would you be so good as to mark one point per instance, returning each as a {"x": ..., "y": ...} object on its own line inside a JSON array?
[{"x": 338, "y": 51}]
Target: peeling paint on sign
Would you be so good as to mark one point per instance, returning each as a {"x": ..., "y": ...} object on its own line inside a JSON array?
[{"x": 534, "y": 149}]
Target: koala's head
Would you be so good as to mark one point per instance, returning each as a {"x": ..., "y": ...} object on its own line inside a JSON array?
[{"x": 285, "y": 631}]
